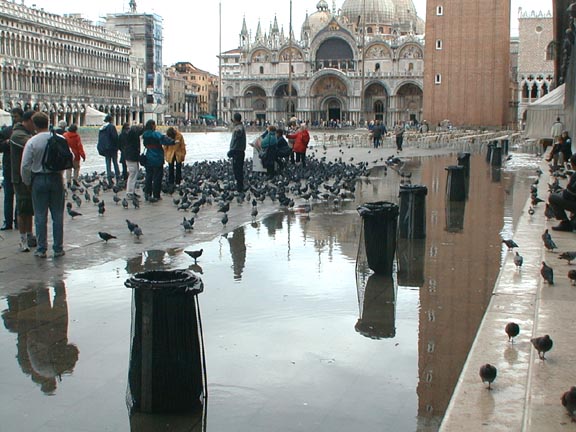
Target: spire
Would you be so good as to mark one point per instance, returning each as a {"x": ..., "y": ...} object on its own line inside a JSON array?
[
  {"x": 132, "y": 6},
  {"x": 333, "y": 7},
  {"x": 275, "y": 25},
  {"x": 244, "y": 31},
  {"x": 258, "y": 32}
]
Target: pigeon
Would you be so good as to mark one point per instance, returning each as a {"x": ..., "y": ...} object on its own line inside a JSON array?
[
  {"x": 124, "y": 203},
  {"x": 568, "y": 256},
  {"x": 195, "y": 254},
  {"x": 131, "y": 226},
  {"x": 509, "y": 242},
  {"x": 547, "y": 273},
  {"x": 254, "y": 212},
  {"x": 224, "y": 208},
  {"x": 548, "y": 242},
  {"x": 224, "y": 219},
  {"x": 137, "y": 232},
  {"x": 548, "y": 212},
  {"x": 73, "y": 213},
  {"x": 135, "y": 203},
  {"x": 569, "y": 402},
  {"x": 536, "y": 200},
  {"x": 512, "y": 330},
  {"x": 188, "y": 224},
  {"x": 572, "y": 276},
  {"x": 101, "y": 208},
  {"x": 105, "y": 236},
  {"x": 116, "y": 199},
  {"x": 488, "y": 374},
  {"x": 543, "y": 344},
  {"x": 518, "y": 260}
]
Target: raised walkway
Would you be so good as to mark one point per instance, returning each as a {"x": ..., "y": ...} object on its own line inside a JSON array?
[{"x": 526, "y": 393}]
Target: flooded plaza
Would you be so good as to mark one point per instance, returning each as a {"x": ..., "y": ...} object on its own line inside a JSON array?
[{"x": 298, "y": 334}]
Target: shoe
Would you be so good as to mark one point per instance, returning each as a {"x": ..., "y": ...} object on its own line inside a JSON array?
[
  {"x": 32, "y": 242},
  {"x": 153, "y": 199},
  {"x": 24, "y": 247},
  {"x": 59, "y": 254},
  {"x": 40, "y": 254},
  {"x": 5, "y": 227},
  {"x": 565, "y": 225}
]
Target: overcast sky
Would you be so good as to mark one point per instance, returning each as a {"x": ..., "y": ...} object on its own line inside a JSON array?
[{"x": 191, "y": 28}]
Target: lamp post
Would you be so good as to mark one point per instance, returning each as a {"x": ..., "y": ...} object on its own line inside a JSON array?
[{"x": 363, "y": 28}]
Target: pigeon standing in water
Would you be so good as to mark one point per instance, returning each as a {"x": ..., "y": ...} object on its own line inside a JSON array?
[
  {"x": 195, "y": 254},
  {"x": 105, "y": 236},
  {"x": 518, "y": 260},
  {"x": 509, "y": 242},
  {"x": 512, "y": 330},
  {"x": 488, "y": 374},
  {"x": 542, "y": 344},
  {"x": 568, "y": 256},
  {"x": 572, "y": 276},
  {"x": 225, "y": 219},
  {"x": 547, "y": 273},
  {"x": 569, "y": 402},
  {"x": 548, "y": 242}
]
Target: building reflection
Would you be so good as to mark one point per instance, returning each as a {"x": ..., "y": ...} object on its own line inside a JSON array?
[
  {"x": 453, "y": 300},
  {"x": 39, "y": 316},
  {"x": 237, "y": 244},
  {"x": 151, "y": 260}
]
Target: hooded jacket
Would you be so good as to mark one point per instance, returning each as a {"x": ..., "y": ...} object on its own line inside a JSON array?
[
  {"x": 75, "y": 144},
  {"x": 178, "y": 150}
]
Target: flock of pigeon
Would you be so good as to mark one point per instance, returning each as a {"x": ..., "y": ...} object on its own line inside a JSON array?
[
  {"x": 210, "y": 184},
  {"x": 541, "y": 344}
]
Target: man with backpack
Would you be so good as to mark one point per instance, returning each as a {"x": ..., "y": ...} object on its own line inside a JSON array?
[{"x": 47, "y": 188}]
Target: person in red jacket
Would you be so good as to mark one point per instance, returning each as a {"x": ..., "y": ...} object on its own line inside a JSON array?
[
  {"x": 75, "y": 144},
  {"x": 301, "y": 139}
]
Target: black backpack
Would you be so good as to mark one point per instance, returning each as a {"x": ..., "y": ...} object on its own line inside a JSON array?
[{"x": 57, "y": 155}]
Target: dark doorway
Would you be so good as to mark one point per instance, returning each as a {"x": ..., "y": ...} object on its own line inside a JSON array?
[{"x": 333, "y": 113}]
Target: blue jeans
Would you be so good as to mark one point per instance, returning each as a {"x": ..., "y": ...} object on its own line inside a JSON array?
[
  {"x": 48, "y": 193},
  {"x": 8, "y": 201},
  {"x": 112, "y": 159}
]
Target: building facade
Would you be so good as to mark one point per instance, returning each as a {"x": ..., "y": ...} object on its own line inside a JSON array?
[
  {"x": 341, "y": 69},
  {"x": 203, "y": 82},
  {"x": 536, "y": 57},
  {"x": 62, "y": 65},
  {"x": 145, "y": 33},
  {"x": 467, "y": 71}
]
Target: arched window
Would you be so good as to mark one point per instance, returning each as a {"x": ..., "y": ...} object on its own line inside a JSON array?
[
  {"x": 377, "y": 67},
  {"x": 551, "y": 51},
  {"x": 534, "y": 92},
  {"x": 525, "y": 91},
  {"x": 544, "y": 90},
  {"x": 369, "y": 30},
  {"x": 261, "y": 70}
]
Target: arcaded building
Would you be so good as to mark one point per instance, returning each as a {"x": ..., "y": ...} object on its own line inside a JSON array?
[
  {"x": 536, "y": 56},
  {"x": 63, "y": 66},
  {"x": 467, "y": 71},
  {"x": 340, "y": 67}
]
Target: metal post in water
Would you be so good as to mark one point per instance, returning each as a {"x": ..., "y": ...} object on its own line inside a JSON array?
[
  {"x": 413, "y": 211},
  {"x": 464, "y": 161},
  {"x": 490, "y": 146},
  {"x": 496, "y": 159}
]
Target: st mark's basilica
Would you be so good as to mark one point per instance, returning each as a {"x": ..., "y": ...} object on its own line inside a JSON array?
[{"x": 331, "y": 62}]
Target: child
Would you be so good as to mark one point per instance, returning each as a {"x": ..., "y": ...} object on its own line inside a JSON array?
[{"x": 75, "y": 144}]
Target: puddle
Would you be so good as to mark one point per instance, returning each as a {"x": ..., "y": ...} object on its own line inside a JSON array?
[{"x": 298, "y": 335}]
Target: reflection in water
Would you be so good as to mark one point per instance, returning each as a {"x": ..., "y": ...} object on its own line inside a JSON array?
[
  {"x": 273, "y": 223},
  {"x": 377, "y": 302},
  {"x": 42, "y": 327},
  {"x": 455, "y": 211},
  {"x": 496, "y": 174},
  {"x": 167, "y": 371},
  {"x": 151, "y": 260},
  {"x": 238, "y": 251},
  {"x": 411, "y": 256}
]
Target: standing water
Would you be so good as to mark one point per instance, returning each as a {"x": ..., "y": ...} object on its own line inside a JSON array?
[{"x": 298, "y": 334}]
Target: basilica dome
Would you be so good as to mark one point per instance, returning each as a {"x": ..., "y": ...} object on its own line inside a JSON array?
[
  {"x": 320, "y": 18},
  {"x": 388, "y": 12}
]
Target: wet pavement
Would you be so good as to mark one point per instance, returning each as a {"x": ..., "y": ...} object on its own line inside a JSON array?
[{"x": 298, "y": 334}]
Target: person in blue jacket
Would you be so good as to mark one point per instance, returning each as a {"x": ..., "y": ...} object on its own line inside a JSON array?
[{"x": 153, "y": 142}]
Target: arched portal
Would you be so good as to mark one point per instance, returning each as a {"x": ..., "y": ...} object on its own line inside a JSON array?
[
  {"x": 255, "y": 104},
  {"x": 376, "y": 102},
  {"x": 329, "y": 95},
  {"x": 333, "y": 109},
  {"x": 285, "y": 100},
  {"x": 409, "y": 102}
]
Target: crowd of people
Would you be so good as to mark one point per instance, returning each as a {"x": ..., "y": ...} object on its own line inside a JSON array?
[{"x": 37, "y": 189}]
